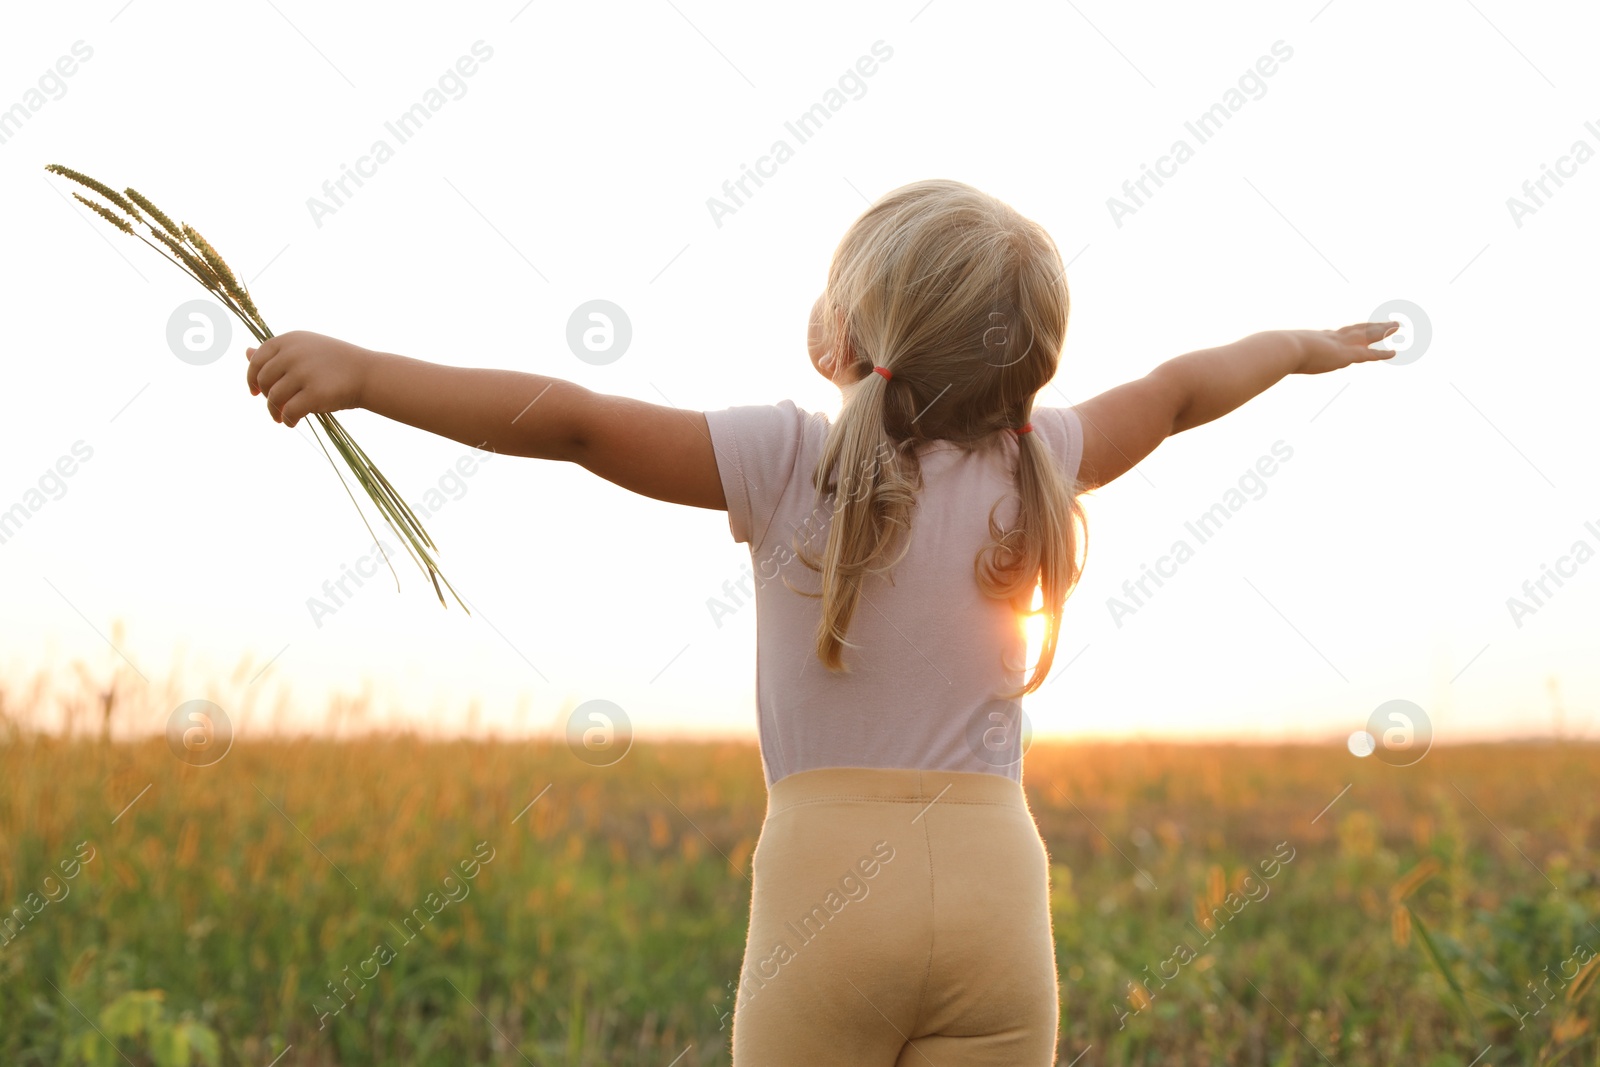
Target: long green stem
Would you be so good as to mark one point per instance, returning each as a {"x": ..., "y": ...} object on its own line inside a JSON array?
[{"x": 352, "y": 496}]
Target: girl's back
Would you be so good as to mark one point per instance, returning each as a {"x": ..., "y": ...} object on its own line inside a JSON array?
[{"x": 926, "y": 680}]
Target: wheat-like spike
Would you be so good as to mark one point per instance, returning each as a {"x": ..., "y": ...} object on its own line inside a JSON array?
[
  {"x": 204, "y": 260},
  {"x": 249, "y": 305},
  {"x": 100, "y": 187},
  {"x": 106, "y": 213},
  {"x": 155, "y": 212},
  {"x": 209, "y": 254},
  {"x": 195, "y": 264},
  {"x": 242, "y": 295},
  {"x": 213, "y": 284},
  {"x": 202, "y": 273},
  {"x": 207, "y": 277},
  {"x": 220, "y": 266}
]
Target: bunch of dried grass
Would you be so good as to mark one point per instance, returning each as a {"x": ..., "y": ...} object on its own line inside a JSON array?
[{"x": 182, "y": 246}]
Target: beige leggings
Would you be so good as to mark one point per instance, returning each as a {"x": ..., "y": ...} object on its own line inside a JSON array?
[{"x": 898, "y": 917}]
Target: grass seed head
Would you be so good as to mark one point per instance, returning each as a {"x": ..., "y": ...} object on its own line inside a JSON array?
[
  {"x": 100, "y": 187},
  {"x": 193, "y": 262},
  {"x": 154, "y": 212},
  {"x": 224, "y": 273},
  {"x": 209, "y": 254},
  {"x": 106, "y": 213}
]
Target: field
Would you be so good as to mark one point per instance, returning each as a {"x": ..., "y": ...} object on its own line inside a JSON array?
[{"x": 1425, "y": 915}]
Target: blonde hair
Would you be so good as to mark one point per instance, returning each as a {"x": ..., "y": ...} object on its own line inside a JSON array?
[{"x": 964, "y": 301}]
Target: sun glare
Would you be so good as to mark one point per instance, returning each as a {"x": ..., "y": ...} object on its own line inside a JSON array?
[{"x": 1033, "y": 625}]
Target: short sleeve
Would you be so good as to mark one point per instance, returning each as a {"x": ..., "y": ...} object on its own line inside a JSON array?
[
  {"x": 1062, "y": 430},
  {"x": 759, "y": 451}
]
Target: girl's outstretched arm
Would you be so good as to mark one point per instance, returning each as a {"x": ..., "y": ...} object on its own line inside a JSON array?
[
  {"x": 657, "y": 451},
  {"x": 1123, "y": 425}
]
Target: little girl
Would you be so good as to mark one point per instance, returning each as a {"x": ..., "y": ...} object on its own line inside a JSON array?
[{"x": 900, "y": 909}]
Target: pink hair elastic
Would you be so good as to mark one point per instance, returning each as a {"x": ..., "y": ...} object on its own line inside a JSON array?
[{"x": 883, "y": 371}]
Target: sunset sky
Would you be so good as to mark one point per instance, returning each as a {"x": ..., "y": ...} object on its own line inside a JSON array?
[{"x": 1383, "y": 159}]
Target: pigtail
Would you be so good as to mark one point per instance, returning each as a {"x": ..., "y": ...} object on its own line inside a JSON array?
[
  {"x": 873, "y": 485},
  {"x": 931, "y": 283},
  {"x": 1043, "y": 549}
]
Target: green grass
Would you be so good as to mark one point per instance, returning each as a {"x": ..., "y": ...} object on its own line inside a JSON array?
[{"x": 609, "y": 925}]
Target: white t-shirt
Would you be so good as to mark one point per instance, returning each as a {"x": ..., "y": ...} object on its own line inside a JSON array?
[{"x": 923, "y": 682}]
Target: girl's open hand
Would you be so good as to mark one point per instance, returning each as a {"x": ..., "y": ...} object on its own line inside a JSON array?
[
  {"x": 304, "y": 373},
  {"x": 1326, "y": 350}
]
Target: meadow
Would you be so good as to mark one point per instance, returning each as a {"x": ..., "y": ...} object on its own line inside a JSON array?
[{"x": 394, "y": 900}]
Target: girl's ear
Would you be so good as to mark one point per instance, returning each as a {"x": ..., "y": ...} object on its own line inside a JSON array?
[
  {"x": 820, "y": 358},
  {"x": 826, "y": 362}
]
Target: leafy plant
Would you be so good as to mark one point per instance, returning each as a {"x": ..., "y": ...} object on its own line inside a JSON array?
[{"x": 140, "y": 1016}]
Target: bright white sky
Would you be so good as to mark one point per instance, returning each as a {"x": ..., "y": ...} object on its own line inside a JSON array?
[{"x": 1375, "y": 166}]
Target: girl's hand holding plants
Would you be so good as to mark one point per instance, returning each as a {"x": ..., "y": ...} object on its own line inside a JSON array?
[{"x": 305, "y": 373}]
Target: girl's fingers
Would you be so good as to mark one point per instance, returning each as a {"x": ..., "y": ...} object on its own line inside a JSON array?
[
  {"x": 268, "y": 374},
  {"x": 1363, "y": 354},
  {"x": 297, "y": 406},
  {"x": 1377, "y": 331},
  {"x": 1372, "y": 330},
  {"x": 260, "y": 356},
  {"x": 278, "y": 397},
  {"x": 1361, "y": 335}
]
